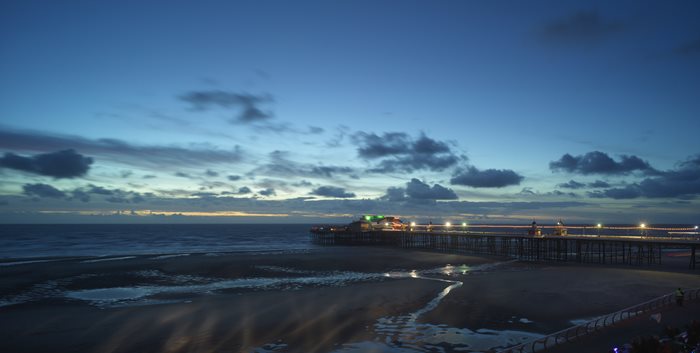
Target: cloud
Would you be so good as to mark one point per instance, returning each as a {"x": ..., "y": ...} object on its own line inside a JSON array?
[
  {"x": 489, "y": 178},
  {"x": 280, "y": 165},
  {"x": 303, "y": 183},
  {"x": 530, "y": 192},
  {"x": 329, "y": 171},
  {"x": 248, "y": 105},
  {"x": 110, "y": 195},
  {"x": 561, "y": 193},
  {"x": 628, "y": 192},
  {"x": 98, "y": 190},
  {"x": 599, "y": 184},
  {"x": 397, "y": 151},
  {"x": 332, "y": 191},
  {"x": 572, "y": 184},
  {"x": 81, "y": 195},
  {"x": 233, "y": 177},
  {"x": 316, "y": 130},
  {"x": 418, "y": 190},
  {"x": 61, "y": 164},
  {"x": 682, "y": 182},
  {"x": 267, "y": 192},
  {"x": 182, "y": 175},
  {"x": 211, "y": 173},
  {"x": 689, "y": 48},
  {"x": 117, "y": 150},
  {"x": 597, "y": 162},
  {"x": 244, "y": 190},
  {"x": 395, "y": 194},
  {"x": 581, "y": 27},
  {"x": 43, "y": 191}
]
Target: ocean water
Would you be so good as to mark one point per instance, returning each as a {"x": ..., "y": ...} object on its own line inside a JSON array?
[{"x": 31, "y": 241}]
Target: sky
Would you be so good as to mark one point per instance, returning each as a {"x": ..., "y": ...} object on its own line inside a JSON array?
[{"x": 307, "y": 112}]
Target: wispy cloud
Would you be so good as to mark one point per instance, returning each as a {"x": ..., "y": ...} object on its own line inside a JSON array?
[
  {"x": 152, "y": 156},
  {"x": 582, "y": 27},
  {"x": 689, "y": 48},
  {"x": 249, "y": 106}
]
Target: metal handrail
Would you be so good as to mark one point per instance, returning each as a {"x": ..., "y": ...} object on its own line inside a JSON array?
[{"x": 574, "y": 332}]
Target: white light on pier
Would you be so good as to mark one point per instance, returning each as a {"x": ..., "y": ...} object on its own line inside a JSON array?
[
  {"x": 599, "y": 225},
  {"x": 447, "y": 224},
  {"x": 413, "y": 224},
  {"x": 642, "y": 225},
  {"x": 464, "y": 224}
]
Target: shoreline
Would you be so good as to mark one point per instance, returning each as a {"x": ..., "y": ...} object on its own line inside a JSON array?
[{"x": 327, "y": 299}]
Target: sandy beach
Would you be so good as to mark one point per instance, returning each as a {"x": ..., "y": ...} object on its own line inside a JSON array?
[{"x": 345, "y": 299}]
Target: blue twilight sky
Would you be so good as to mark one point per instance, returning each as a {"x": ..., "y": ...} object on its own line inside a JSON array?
[{"x": 278, "y": 111}]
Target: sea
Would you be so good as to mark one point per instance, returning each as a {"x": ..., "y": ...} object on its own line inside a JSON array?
[{"x": 58, "y": 240}]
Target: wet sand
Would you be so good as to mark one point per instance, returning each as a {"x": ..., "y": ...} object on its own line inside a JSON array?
[{"x": 323, "y": 300}]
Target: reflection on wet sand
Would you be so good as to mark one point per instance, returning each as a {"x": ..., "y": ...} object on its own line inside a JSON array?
[
  {"x": 275, "y": 308},
  {"x": 403, "y": 333}
]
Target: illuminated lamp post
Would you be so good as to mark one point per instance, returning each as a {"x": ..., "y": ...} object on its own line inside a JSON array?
[
  {"x": 464, "y": 226},
  {"x": 599, "y": 226},
  {"x": 642, "y": 228},
  {"x": 413, "y": 225},
  {"x": 447, "y": 226}
]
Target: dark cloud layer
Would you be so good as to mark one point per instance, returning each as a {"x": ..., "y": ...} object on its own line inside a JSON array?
[
  {"x": 599, "y": 184},
  {"x": 572, "y": 184},
  {"x": 267, "y": 192},
  {"x": 418, "y": 190},
  {"x": 397, "y": 151},
  {"x": 581, "y": 27},
  {"x": 488, "y": 178},
  {"x": 597, "y": 162},
  {"x": 43, "y": 190},
  {"x": 248, "y": 105},
  {"x": 244, "y": 190},
  {"x": 332, "y": 191},
  {"x": 682, "y": 182},
  {"x": 61, "y": 164},
  {"x": 117, "y": 150}
]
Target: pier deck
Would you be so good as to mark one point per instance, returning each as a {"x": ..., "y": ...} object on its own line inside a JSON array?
[{"x": 600, "y": 249}]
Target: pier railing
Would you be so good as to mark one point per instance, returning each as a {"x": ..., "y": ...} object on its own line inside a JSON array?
[{"x": 576, "y": 332}]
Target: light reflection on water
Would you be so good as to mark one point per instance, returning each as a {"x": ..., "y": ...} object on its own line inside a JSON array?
[{"x": 403, "y": 334}]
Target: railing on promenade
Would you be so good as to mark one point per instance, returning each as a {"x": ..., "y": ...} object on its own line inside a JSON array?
[{"x": 573, "y": 333}]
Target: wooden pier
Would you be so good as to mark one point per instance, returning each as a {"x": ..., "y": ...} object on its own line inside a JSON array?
[{"x": 600, "y": 249}]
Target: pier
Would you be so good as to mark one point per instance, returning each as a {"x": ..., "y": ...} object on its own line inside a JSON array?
[{"x": 598, "y": 249}]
